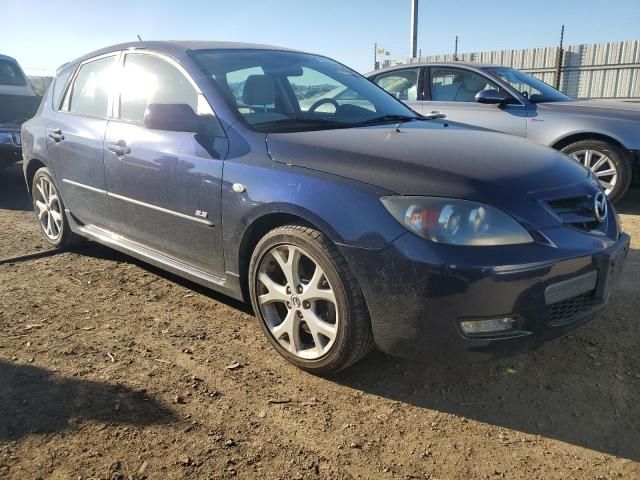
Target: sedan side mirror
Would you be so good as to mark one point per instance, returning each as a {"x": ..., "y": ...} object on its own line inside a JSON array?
[
  {"x": 172, "y": 117},
  {"x": 491, "y": 96}
]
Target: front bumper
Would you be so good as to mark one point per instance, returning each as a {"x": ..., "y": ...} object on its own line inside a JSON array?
[{"x": 418, "y": 292}]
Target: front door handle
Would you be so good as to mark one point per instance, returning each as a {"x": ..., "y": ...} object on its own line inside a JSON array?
[
  {"x": 56, "y": 135},
  {"x": 119, "y": 148}
]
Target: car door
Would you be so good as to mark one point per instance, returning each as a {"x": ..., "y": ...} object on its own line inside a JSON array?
[
  {"x": 75, "y": 139},
  {"x": 405, "y": 84},
  {"x": 165, "y": 186},
  {"x": 452, "y": 91}
]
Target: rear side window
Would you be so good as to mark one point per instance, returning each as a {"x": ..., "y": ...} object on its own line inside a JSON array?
[
  {"x": 11, "y": 75},
  {"x": 149, "y": 79},
  {"x": 92, "y": 88}
]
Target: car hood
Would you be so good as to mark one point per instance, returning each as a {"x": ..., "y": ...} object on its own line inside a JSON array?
[
  {"x": 431, "y": 158},
  {"x": 596, "y": 108}
]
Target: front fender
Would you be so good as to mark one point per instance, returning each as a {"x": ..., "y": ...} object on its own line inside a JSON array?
[{"x": 348, "y": 212}]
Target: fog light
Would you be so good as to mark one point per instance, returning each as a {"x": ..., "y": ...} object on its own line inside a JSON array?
[{"x": 488, "y": 326}]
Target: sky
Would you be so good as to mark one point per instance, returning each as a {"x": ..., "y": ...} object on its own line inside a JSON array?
[{"x": 47, "y": 34}]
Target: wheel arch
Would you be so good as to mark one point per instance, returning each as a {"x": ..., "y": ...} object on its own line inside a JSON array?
[
  {"x": 30, "y": 170},
  {"x": 634, "y": 159},
  {"x": 263, "y": 224},
  {"x": 579, "y": 136}
]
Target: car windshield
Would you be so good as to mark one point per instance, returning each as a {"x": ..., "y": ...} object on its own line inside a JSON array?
[
  {"x": 280, "y": 91},
  {"x": 530, "y": 87}
]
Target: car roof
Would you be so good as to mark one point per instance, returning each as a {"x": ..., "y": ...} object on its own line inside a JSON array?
[
  {"x": 175, "y": 47},
  {"x": 7, "y": 57},
  {"x": 472, "y": 65}
]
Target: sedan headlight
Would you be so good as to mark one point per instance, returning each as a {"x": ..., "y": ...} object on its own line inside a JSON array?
[{"x": 457, "y": 222}]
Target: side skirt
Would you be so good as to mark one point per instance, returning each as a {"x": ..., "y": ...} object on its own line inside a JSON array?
[{"x": 230, "y": 286}]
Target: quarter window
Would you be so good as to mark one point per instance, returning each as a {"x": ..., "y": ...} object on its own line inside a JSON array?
[
  {"x": 455, "y": 85},
  {"x": 149, "y": 79},
  {"x": 402, "y": 84},
  {"x": 59, "y": 86}
]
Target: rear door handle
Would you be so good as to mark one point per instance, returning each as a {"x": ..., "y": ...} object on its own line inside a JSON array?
[
  {"x": 56, "y": 135},
  {"x": 119, "y": 148}
]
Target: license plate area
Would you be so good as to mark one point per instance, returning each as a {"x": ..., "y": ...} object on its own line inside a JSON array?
[{"x": 611, "y": 267}]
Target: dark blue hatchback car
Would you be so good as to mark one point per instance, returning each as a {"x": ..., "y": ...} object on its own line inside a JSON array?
[{"x": 347, "y": 220}]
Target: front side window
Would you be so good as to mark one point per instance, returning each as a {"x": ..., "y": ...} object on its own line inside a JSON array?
[
  {"x": 278, "y": 91},
  {"x": 11, "y": 75},
  {"x": 530, "y": 87},
  {"x": 402, "y": 84},
  {"x": 93, "y": 87},
  {"x": 456, "y": 85},
  {"x": 148, "y": 79}
]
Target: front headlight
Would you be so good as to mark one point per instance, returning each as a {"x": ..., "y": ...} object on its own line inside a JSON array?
[{"x": 457, "y": 222}]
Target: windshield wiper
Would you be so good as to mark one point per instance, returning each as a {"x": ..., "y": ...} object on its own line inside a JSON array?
[
  {"x": 301, "y": 122},
  {"x": 387, "y": 119}
]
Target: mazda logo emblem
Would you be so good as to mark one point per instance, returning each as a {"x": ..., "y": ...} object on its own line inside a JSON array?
[{"x": 600, "y": 207}]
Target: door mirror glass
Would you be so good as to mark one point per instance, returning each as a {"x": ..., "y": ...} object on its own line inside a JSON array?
[
  {"x": 172, "y": 117},
  {"x": 491, "y": 97}
]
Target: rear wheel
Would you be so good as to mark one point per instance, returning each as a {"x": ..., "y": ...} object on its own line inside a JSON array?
[
  {"x": 607, "y": 161},
  {"x": 49, "y": 209},
  {"x": 307, "y": 300}
]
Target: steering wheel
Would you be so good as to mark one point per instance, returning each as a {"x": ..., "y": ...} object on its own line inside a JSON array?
[{"x": 321, "y": 102}]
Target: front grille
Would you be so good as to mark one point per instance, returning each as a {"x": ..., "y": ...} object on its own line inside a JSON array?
[
  {"x": 571, "y": 309},
  {"x": 577, "y": 211}
]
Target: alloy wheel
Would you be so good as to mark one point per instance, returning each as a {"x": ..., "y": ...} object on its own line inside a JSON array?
[
  {"x": 601, "y": 165},
  {"x": 297, "y": 302},
  {"x": 49, "y": 212}
]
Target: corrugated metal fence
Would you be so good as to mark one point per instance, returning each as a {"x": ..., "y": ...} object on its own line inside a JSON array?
[{"x": 605, "y": 70}]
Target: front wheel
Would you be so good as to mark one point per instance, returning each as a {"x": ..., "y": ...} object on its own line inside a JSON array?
[
  {"x": 308, "y": 302},
  {"x": 608, "y": 162}
]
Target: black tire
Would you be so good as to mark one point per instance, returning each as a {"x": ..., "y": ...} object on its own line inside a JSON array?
[
  {"x": 66, "y": 239},
  {"x": 619, "y": 158},
  {"x": 354, "y": 337}
]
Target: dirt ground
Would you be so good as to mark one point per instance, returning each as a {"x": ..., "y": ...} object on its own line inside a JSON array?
[{"x": 112, "y": 369}]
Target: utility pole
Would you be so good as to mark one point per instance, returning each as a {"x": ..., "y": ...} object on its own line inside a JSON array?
[
  {"x": 455, "y": 51},
  {"x": 560, "y": 59},
  {"x": 375, "y": 56},
  {"x": 413, "y": 42}
]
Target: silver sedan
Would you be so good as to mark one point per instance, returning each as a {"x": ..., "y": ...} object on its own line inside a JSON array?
[{"x": 602, "y": 135}]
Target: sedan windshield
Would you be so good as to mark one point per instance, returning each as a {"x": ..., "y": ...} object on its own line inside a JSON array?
[
  {"x": 530, "y": 87},
  {"x": 280, "y": 91}
]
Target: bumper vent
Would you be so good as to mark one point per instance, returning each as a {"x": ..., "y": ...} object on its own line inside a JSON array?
[
  {"x": 568, "y": 300},
  {"x": 571, "y": 309}
]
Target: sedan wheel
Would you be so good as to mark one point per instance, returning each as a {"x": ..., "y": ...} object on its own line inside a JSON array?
[
  {"x": 307, "y": 300},
  {"x": 601, "y": 165},
  {"x": 608, "y": 162}
]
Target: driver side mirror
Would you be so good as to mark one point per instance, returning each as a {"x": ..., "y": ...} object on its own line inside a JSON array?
[
  {"x": 492, "y": 96},
  {"x": 172, "y": 117}
]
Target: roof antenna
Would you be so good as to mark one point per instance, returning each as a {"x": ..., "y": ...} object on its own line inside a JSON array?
[{"x": 139, "y": 37}]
